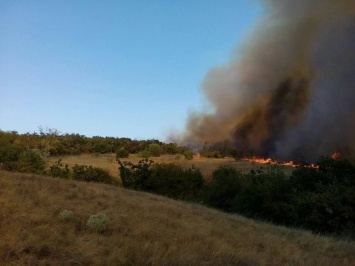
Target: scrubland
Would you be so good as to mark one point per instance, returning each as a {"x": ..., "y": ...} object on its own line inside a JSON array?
[
  {"x": 206, "y": 165},
  {"x": 143, "y": 229}
]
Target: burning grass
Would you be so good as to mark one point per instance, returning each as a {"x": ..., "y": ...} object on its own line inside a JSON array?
[
  {"x": 206, "y": 165},
  {"x": 143, "y": 229}
]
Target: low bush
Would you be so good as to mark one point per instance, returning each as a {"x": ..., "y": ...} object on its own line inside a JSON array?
[
  {"x": 98, "y": 223},
  {"x": 144, "y": 154},
  {"x": 189, "y": 155},
  {"x": 211, "y": 154},
  {"x": 174, "y": 181},
  {"x": 66, "y": 215},
  {"x": 135, "y": 176},
  {"x": 122, "y": 153},
  {"x": 165, "y": 179},
  {"x": 92, "y": 174},
  {"x": 177, "y": 156},
  {"x": 57, "y": 170}
]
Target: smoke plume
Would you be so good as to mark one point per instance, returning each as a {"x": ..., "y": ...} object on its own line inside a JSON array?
[{"x": 290, "y": 91}]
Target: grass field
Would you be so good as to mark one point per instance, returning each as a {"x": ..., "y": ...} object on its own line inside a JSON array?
[
  {"x": 144, "y": 229},
  {"x": 206, "y": 165}
]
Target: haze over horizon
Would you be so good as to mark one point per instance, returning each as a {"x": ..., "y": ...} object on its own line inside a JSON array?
[{"x": 112, "y": 68}]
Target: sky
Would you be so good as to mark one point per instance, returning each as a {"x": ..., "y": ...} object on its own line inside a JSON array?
[{"x": 112, "y": 68}]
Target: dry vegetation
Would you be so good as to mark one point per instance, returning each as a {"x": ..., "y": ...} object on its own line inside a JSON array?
[
  {"x": 144, "y": 229},
  {"x": 206, "y": 165}
]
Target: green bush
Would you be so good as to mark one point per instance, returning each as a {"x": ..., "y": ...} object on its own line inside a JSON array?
[
  {"x": 174, "y": 181},
  {"x": 189, "y": 155},
  {"x": 221, "y": 192},
  {"x": 154, "y": 149},
  {"x": 98, "y": 223},
  {"x": 165, "y": 179},
  {"x": 92, "y": 174},
  {"x": 135, "y": 176},
  {"x": 177, "y": 156},
  {"x": 323, "y": 199},
  {"x": 122, "y": 153},
  {"x": 264, "y": 195},
  {"x": 30, "y": 161},
  {"x": 9, "y": 154},
  {"x": 57, "y": 170},
  {"x": 65, "y": 215},
  {"x": 144, "y": 154}
]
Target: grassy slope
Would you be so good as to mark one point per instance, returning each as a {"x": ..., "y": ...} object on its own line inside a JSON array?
[{"x": 144, "y": 229}]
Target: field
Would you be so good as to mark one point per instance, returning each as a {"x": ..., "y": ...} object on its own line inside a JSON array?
[
  {"x": 206, "y": 165},
  {"x": 143, "y": 229}
]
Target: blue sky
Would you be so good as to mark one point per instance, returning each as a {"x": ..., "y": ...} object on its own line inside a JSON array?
[{"x": 112, "y": 68}]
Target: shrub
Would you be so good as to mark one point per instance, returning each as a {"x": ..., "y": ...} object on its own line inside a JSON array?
[
  {"x": 174, "y": 181},
  {"x": 122, "y": 153},
  {"x": 144, "y": 154},
  {"x": 220, "y": 193},
  {"x": 165, "y": 179},
  {"x": 178, "y": 156},
  {"x": 57, "y": 170},
  {"x": 323, "y": 199},
  {"x": 98, "y": 222},
  {"x": 264, "y": 195},
  {"x": 65, "y": 215},
  {"x": 9, "y": 154},
  {"x": 154, "y": 149},
  {"x": 30, "y": 161},
  {"x": 189, "y": 155},
  {"x": 211, "y": 154},
  {"x": 135, "y": 176},
  {"x": 92, "y": 174}
]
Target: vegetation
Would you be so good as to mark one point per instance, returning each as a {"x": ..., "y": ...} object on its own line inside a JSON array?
[
  {"x": 57, "y": 170},
  {"x": 143, "y": 229},
  {"x": 66, "y": 215},
  {"x": 98, "y": 223},
  {"x": 122, "y": 153},
  {"x": 321, "y": 200},
  {"x": 51, "y": 142},
  {"x": 82, "y": 173},
  {"x": 91, "y": 174},
  {"x": 165, "y": 179},
  {"x": 189, "y": 155}
]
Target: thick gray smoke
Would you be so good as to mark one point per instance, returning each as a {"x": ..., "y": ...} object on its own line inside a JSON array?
[{"x": 290, "y": 93}]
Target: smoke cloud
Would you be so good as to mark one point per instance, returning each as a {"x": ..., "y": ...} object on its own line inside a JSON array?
[{"x": 290, "y": 91}]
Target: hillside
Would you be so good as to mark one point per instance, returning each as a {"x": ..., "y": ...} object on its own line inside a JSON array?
[{"x": 143, "y": 229}]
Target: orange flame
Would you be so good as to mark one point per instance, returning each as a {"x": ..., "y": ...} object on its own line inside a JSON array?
[
  {"x": 335, "y": 155},
  {"x": 261, "y": 160}
]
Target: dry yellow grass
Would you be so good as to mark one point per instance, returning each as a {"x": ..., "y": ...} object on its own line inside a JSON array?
[
  {"x": 144, "y": 229},
  {"x": 206, "y": 165}
]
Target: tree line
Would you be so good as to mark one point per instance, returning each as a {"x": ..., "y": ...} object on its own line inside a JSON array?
[{"x": 27, "y": 152}]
